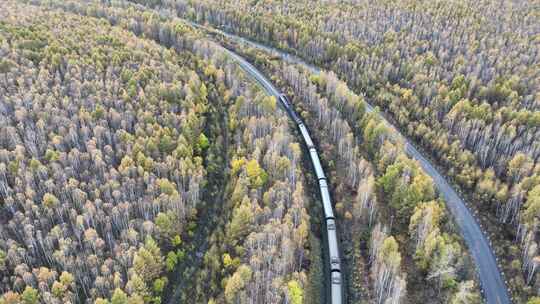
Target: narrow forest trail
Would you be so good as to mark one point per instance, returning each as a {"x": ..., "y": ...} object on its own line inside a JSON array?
[{"x": 492, "y": 283}]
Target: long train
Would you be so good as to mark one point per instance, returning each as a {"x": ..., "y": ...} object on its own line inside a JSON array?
[{"x": 334, "y": 261}]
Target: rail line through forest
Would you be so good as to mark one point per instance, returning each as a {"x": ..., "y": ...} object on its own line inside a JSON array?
[
  {"x": 333, "y": 279},
  {"x": 492, "y": 283}
]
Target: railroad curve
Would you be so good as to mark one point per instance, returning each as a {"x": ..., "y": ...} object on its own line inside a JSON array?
[{"x": 492, "y": 283}]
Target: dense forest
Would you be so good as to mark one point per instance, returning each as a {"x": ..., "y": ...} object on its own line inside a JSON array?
[
  {"x": 102, "y": 146},
  {"x": 110, "y": 153},
  {"x": 460, "y": 78},
  {"x": 139, "y": 163}
]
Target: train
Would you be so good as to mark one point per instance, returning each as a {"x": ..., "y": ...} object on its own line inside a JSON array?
[{"x": 334, "y": 260}]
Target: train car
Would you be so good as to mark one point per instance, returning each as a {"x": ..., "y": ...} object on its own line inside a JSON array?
[
  {"x": 305, "y": 135},
  {"x": 295, "y": 117},
  {"x": 288, "y": 106},
  {"x": 285, "y": 101},
  {"x": 333, "y": 248},
  {"x": 336, "y": 288},
  {"x": 316, "y": 163},
  {"x": 327, "y": 203}
]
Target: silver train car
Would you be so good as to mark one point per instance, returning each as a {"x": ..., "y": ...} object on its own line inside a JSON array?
[
  {"x": 333, "y": 249},
  {"x": 327, "y": 203},
  {"x": 334, "y": 260},
  {"x": 317, "y": 164},
  {"x": 305, "y": 135},
  {"x": 336, "y": 289}
]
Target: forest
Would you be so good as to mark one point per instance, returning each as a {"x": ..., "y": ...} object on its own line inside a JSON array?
[
  {"x": 113, "y": 149},
  {"x": 140, "y": 163},
  {"x": 459, "y": 78}
]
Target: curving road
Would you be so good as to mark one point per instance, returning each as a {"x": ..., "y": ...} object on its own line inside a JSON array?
[{"x": 493, "y": 285}]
